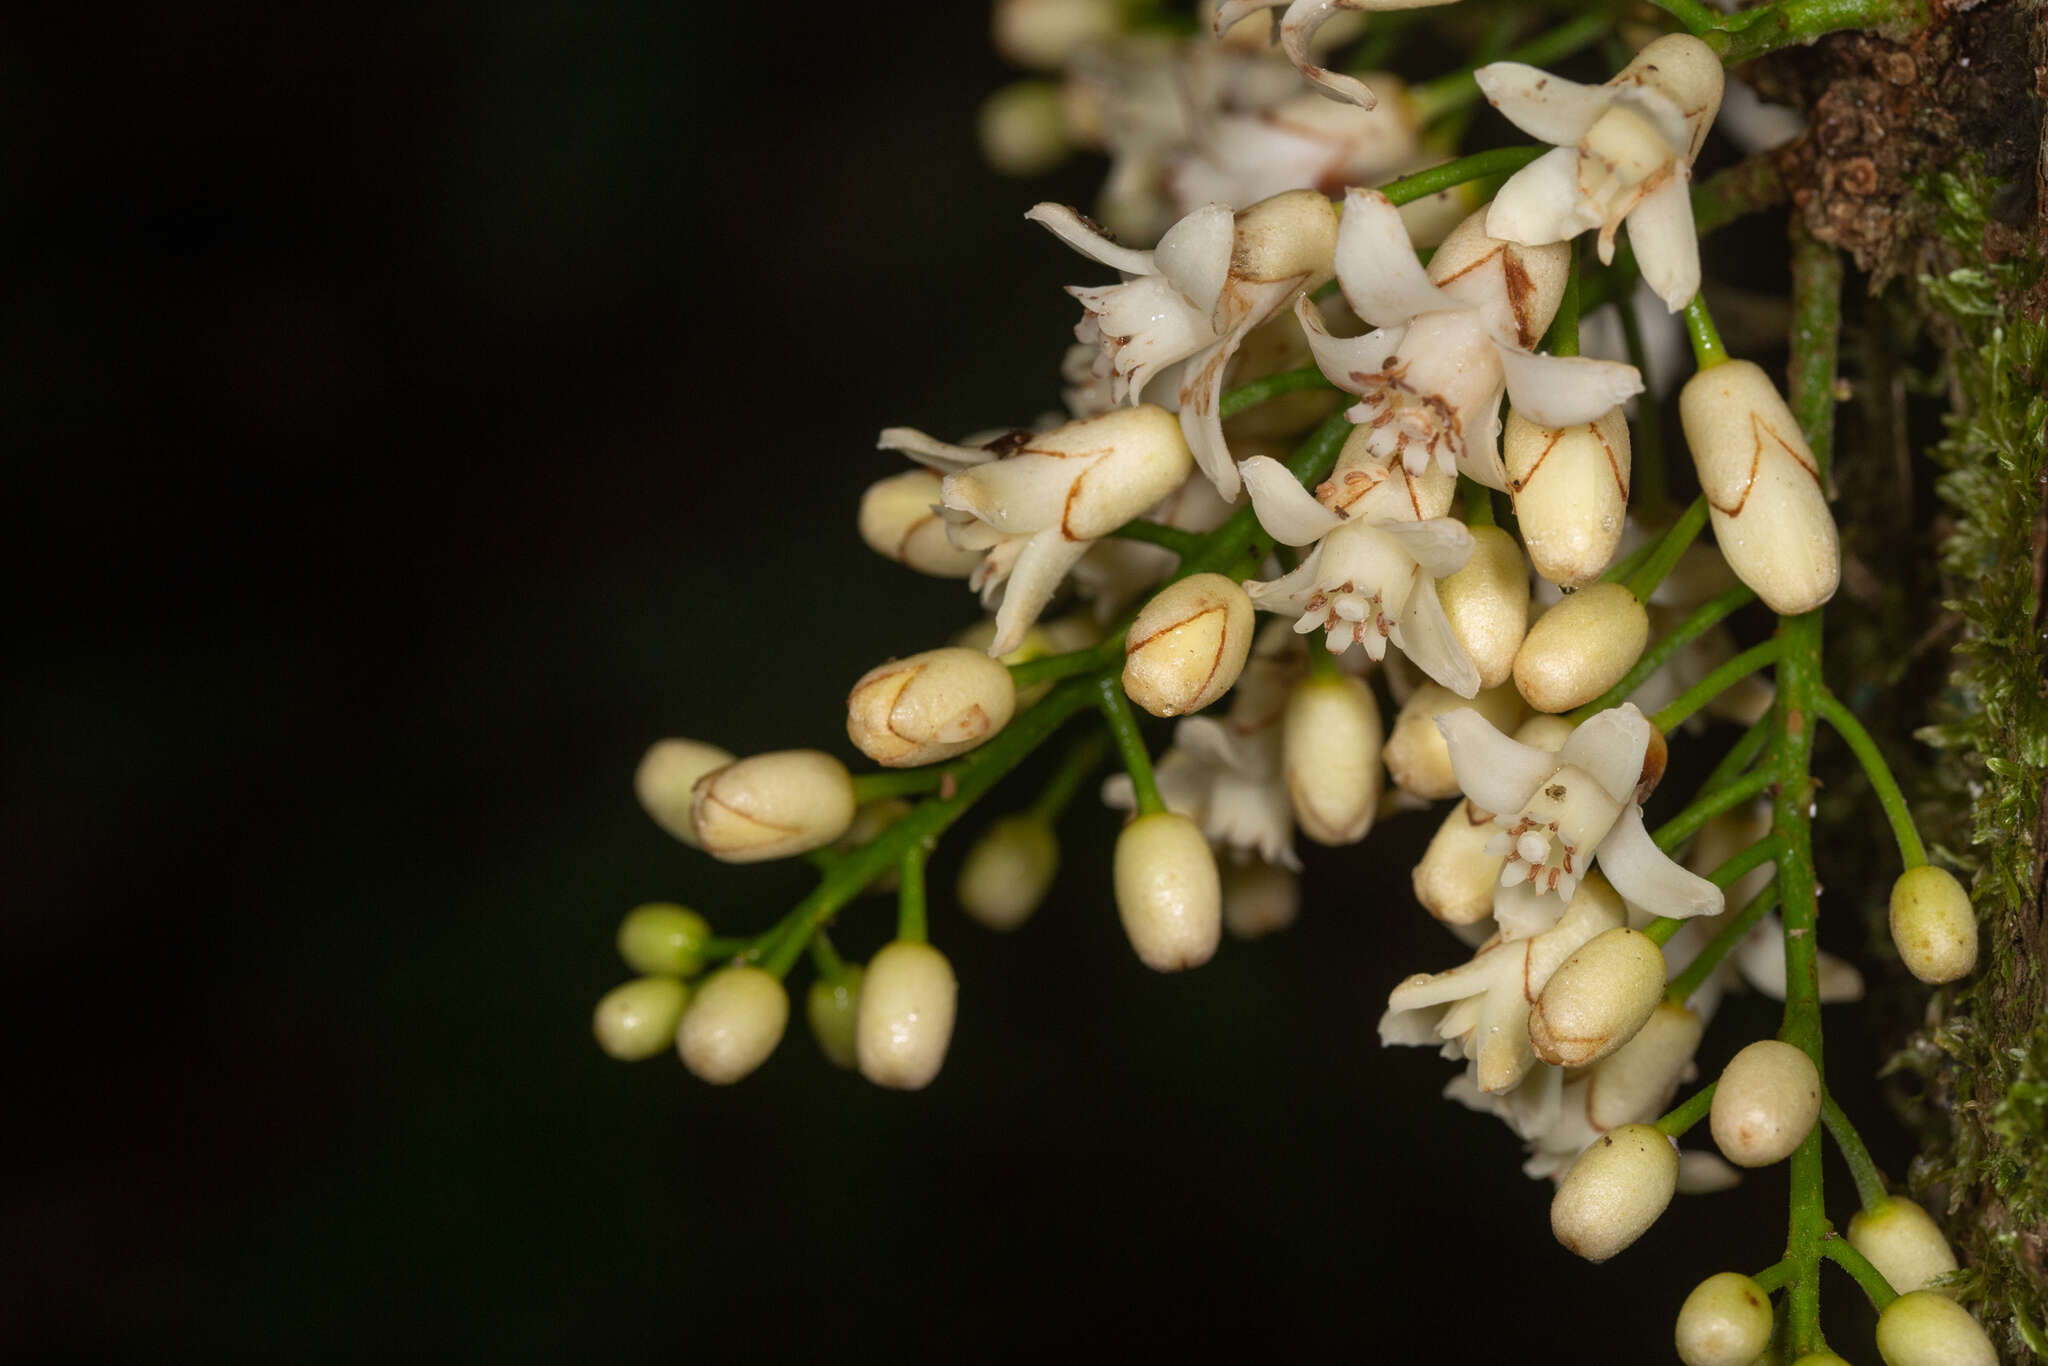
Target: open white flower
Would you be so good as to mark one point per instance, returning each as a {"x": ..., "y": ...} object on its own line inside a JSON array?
[
  {"x": 1185, "y": 305},
  {"x": 1448, "y": 341},
  {"x": 1558, "y": 812},
  {"x": 1305, "y": 142},
  {"x": 1298, "y": 30},
  {"x": 1624, "y": 152}
]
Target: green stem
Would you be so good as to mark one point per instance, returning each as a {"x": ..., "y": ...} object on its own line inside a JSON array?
[
  {"x": 826, "y": 959},
  {"x": 1870, "y": 1187},
  {"x": 1646, "y": 468},
  {"x": 1674, "y": 1124},
  {"x": 1727, "y": 875},
  {"x": 1677, "y": 538},
  {"x": 1681, "y": 987},
  {"x": 1696, "y": 17},
  {"x": 1478, "y": 166},
  {"x": 1181, "y": 543},
  {"x": 1082, "y": 759},
  {"x": 1628, "y": 564},
  {"x": 1710, "y": 803},
  {"x": 1433, "y": 99},
  {"x": 1741, "y": 754},
  {"x": 1772, "y": 1276},
  {"x": 1714, "y": 684},
  {"x": 1879, "y": 1291},
  {"x": 1478, "y": 502},
  {"x": 1816, "y": 321},
  {"x": 1254, "y": 392},
  {"x": 1707, "y": 350},
  {"x": 1130, "y": 743},
  {"x": 1563, "y": 337},
  {"x": 1052, "y": 668},
  {"x": 1752, "y": 33},
  {"x": 911, "y": 920},
  {"x": 1705, "y": 618},
  {"x": 718, "y": 950},
  {"x": 908, "y": 782},
  {"x": 1845, "y": 724}
]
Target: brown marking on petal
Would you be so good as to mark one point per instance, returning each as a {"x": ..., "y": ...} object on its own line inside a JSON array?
[
  {"x": 1132, "y": 647},
  {"x": 1613, "y": 462},
  {"x": 1556, "y": 435},
  {"x": 1414, "y": 500},
  {"x": 1521, "y": 292},
  {"x": 711, "y": 798},
  {"x": 1655, "y": 756},
  {"x": 1009, "y": 443},
  {"x": 1475, "y": 816},
  {"x": 1484, "y": 260}
]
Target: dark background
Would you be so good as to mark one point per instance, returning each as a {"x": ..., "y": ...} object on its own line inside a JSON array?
[{"x": 418, "y": 411}]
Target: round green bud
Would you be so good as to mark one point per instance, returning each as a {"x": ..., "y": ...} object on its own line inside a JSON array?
[
  {"x": 638, "y": 1019},
  {"x": 1903, "y": 1242},
  {"x": 1933, "y": 926},
  {"x": 1725, "y": 1321},
  {"x": 832, "y": 1009},
  {"x": 1008, "y": 871},
  {"x": 1924, "y": 1328},
  {"x": 662, "y": 939},
  {"x": 733, "y": 1022}
]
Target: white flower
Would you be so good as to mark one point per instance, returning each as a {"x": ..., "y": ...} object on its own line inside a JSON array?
[
  {"x": 1035, "y": 502},
  {"x": 1446, "y": 342},
  {"x": 1115, "y": 571},
  {"x": 1624, "y": 152},
  {"x": 1298, "y": 30},
  {"x": 1185, "y": 305},
  {"x": 1558, "y": 812},
  {"x": 1305, "y": 142}
]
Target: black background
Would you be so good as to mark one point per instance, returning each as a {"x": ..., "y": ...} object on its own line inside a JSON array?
[{"x": 418, "y": 411}]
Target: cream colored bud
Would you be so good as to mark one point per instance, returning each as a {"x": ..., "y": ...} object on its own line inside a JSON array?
[
  {"x": 1725, "y": 1321},
  {"x": 1379, "y": 488},
  {"x": 1636, "y": 1082},
  {"x": 1515, "y": 288},
  {"x": 1922, "y": 1328},
  {"x": 1417, "y": 758},
  {"x": 663, "y": 781},
  {"x": 772, "y": 805},
  {"x": 1330, "y": 755},
  {"x": 662, "y": 939},
  {"x": 1903, "y": 1242},
  {"x": 897, "y": 520},
  {"x": 733, "y": 1022},
  {"x": 1456, "y": 877},
  {"x": 1045, "y": 34},
  {"x": 929, "y": 707},
  {"x": 1597, "y": 1000},
  {"x": 1767, "y": 1101},
  {"x": 1933, "y": 925},
  {"x": 1292, "y": 233},
  {"x": 638, "y": 1019},
  {"x": 1570, "y": 490},
  {"x": 1581, "y": 647},
  {"x": 1762, "y": 485},
  {"x": 1259, "y": 899},
  {"x": 905, "y": 1018},
  {"x": 1168, "y": 894},
  {"x": 1487, "y": 604},
  {"x": 832, "y": 1009},
  {"x": 1685, "y": 71},
  {"x": 1188, "y": 645},
  {"x": 1084, "y": 478},
  {"x": 1023, "y": 128},
  {"x": 1008, "y": 871},
  {"x": 1615, "y": 1191}
]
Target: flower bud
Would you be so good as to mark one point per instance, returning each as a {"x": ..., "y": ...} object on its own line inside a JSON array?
[
  {"x": 1581, "y": 647},
  {"x": 663, "y": 940},
  {"x": 1487, "y": 604},
  {"x": 1188, "y": 645},
  {"x": 1933, "y": 925},
  {"x": 1022, "y": 128},
  {"x": 1903, "y": 1242},
  {"x": 1570, "y": 491},
  {"x": 897, "y": 521},
  {"x": 929, "y": 707},
  {"x": 905, "y": 1016},
  {"x": 1417, "y": 757},
  {"x": 1725, "y": 1321},
  {"x": 1291, "y": 233},
  {"x": 772, "y": 805},
  {"x": 1168, "y": 894},
  {"x": 1515, "y": 288},
  {"x": 1635, "y": 1083},
  {"x": 664, "y": 779},
  {"x": 638, "y": 1020},
  {"x": 1922, "y": 1328},
  {"x": 1597, "y": 1000},
  {"x": 1259, "y": 899},
  {"x": 1045, "y": 34},
  {"x": 1455, "y": 878},
  {"x": 1330, "y": 754},
  {"x": 1762, "y": 485},
  {"x": 732, "y": 1024},
  {"x": 832, "y": 1010},
  {"x": 1615, "y": 1191},
  {"x": 1008, "y": 871},
  {"x": 1765, "y": 1104}
]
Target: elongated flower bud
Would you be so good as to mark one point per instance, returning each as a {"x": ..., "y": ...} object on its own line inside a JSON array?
[
  {"x": 638, "y": 1020},
  {"x": 832, "y": 1009},
  {"x": 664, "y": 779},
  {"x": 1259, "y": 899},
  {"x": 1615, "y": 1191},
  {"x": 929, "y": 707},
  {"x": 1767, "y": 1101},
  {"x": 1516, "y": 288},
  {"x": 1417, "y": 757},
  {"x": 733, "y": 1022},
  {"x": 1636, "y": 1082},
  {"x": 1581, "y": 647},
  {"x": 1330, "y": 753},
  {"x": 905, "y": 1017},
  {"x": 663, "y": 940},
  {"x": 1570, "y": 490},
  {"x": 1903, "y": 1242},
  {"x": 1725, "y": 1321},
  {"x": 1288, "y": 234},
  {"x": 1456, "y": 876},
  {"x": 1597, "y": 1000},
  {"x": 1762, "y": 484},
  {"x": 1922, "y": 1328},
  {"x": 1487, "y": 604},
  {"x": 1933, "y": 926},
  {"x": 1188, "y": 645},
  {"x": 1168, "y": 894},
  {"x": 898, "y": 520},
  {"x": 772, "y": 805},
  {"x": 1008, "y": 871}
]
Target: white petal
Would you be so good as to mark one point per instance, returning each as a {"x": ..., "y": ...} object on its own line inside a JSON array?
[
  {"x": 1201, "y": 414},
  {"x": 1424, "y": 634},
  {"x": 1212, "y": 742},
  {"x": 1039, "y": 571},
  {"x": 930, "y": 451},
  {"x": 1525, "y": 910},
  {"x": 1195, "y": 254},
  {"x": 1289, "y": 513},
  {"x": 1440, "y": 545},
  {"x": 1346, "y": 362},
  {"x": 1119, "y": 793},
  {"x": 1703, "y": 1173},
  {"x": 1660, "y": 231},
  {"x": 1563, "y": 391},
  {"x": 1376, "y": 267},
  {"x": 1548, "y": 108},
  {"x": 1480, "y": 461},
  {"x": 1230, "y": 12},
  {"x": 1288, "y": 593},
  {"x": 1077, "y": 232},
  {"x": 1610, "y": 746},
  {"x": 1298, "y": 30},
  {"x": 1497, "y": 773},
  {"x": 1541, "y": 203},
  {"x": 1410, "y": 1027},
  {"x": 1505, "y": 1054},
  {"x": 1645, "y": 875}
]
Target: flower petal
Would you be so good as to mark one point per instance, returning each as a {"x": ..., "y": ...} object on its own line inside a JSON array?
[
  {"x": 1497, "y": 773},
  {"x": 930, "y": 451},
  {"x": 1194, "y": 255},
  {"x": 1703, "y": 1173},
  {"x": 1645, "y": 875},
  {"x": 1541, "y": 203},
  {"x": 1201, "y": 413},
  {"x": 1525, "y": 910},
  {"x": 1563, "y": 391},
  {"x": 1291, "y": 591},
  {"x": 1424, "y": 634},
  {"x": 1347, "y": 362},
  {"x": 1480, "y": 460},
  {"x": 1549, "y": 108},
  {"x": 1610, "y": 746},
  {"x": 1376, "y": 266},
  {"x": 1505, "y": 1054},
  {"x": 1660, "y": 232},
  {"x": 1037, "y": 575},
  {"x": 1298, "y": 29},
  {"x": 1440, "y": 545},
  {"x": 1761, "y": 957},
  {"x": 1289, "y": 513},
  {"x": 1071, "y": 227}
]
